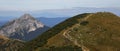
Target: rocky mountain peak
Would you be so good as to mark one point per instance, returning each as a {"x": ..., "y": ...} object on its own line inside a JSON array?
[
  {"x": 22, "y": 27},
  {"x": 27, "y": 16}
]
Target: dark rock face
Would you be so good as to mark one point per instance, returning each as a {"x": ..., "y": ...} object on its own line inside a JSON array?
[{"x": 24, "y": 28}]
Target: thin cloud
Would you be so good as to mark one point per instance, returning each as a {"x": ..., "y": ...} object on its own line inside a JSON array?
[{"x": 26, "y": 5}]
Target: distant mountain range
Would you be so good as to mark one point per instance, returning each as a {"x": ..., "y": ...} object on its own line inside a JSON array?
[
  {"x": 2, "y": 23},
  {"x": 53, "y": 16},
  {"x": 51, "y": 21},
  {"x": 24, "y": 28},
  {"x": 47, "y": 21}
]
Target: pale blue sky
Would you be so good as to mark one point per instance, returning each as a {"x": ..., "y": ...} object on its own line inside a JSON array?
[{"x": 29, "y": 5}]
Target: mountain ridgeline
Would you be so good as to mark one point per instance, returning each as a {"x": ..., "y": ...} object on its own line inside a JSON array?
[
  {"x": 41, "y": 41},
  {"x": 24, "y": 28},
  {"x": 85, "y": 32}
]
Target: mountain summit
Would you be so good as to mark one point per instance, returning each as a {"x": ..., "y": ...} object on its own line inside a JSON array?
[
  {"x": 27, "y": 16},
  {"x": 23, "y": 28}
]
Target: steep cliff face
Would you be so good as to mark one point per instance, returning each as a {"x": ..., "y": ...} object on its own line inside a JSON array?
[
  {"x": 7, "y": 44},
  {"x": 89, "y": 32},
  {"x": 23, "y": 28}
]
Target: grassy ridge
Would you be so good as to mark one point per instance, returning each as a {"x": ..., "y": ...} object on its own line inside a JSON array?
[
  {"x": 97, "y": 32},
  {"x": 100, "y": 32},
  {"x": 42, "y": 39}
]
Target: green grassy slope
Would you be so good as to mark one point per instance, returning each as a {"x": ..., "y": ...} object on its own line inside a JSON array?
[
  {"x": 42, "y": 39},
  {"x": 99, "y": 32},
  {"x": 90, "y": 31}
]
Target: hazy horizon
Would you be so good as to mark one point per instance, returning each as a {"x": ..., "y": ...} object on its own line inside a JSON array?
[
  {"x": 32, "y": 5},
  {"x": 53, "y": 8}
]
